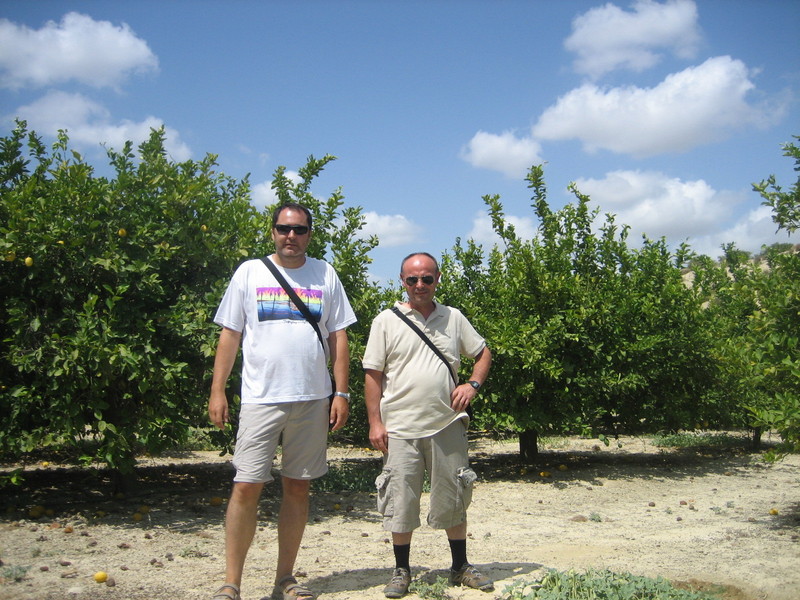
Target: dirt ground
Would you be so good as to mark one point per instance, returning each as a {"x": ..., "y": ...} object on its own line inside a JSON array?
[{"x": 716, "y": 519}]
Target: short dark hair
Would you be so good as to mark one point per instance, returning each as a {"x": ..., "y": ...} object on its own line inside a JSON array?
[
  {"x": 413, "y": 254},
  {"x": 293, "y": 206}
]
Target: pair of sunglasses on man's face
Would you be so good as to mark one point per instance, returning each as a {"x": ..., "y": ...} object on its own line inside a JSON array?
[
  {"x": 426, "y": 279},
  {"x": 285, "y": 229}
]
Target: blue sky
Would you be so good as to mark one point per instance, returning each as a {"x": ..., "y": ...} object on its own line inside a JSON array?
[{"x": 663, "y": 112}]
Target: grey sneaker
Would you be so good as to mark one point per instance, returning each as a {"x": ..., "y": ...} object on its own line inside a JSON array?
[
  {"x": 469, "y": 576},
  {"x": 398, "y": 586}
]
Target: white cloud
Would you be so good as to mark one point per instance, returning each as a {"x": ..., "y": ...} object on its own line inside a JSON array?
[
  {"x": 608, "y": 38},
  {"x": 262, "y": 194},
  {"x": 392, "y": 230},
  {"x": 95, "y": 53},
  {"x": 506, "y": 153},
  {"x": 657, "y": 206},
  {"x": 693, "y": 107},
  {"x": 482, "y": 232},
  {"x": 754, "y": 230},
  {"x": 89, "y": 124}
]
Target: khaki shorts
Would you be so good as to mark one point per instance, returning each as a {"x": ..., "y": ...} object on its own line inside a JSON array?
[
  {"x": 445, "y": 457},
  {"x": 300, "y": 427}
]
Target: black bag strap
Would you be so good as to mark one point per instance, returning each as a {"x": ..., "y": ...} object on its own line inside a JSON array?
[
  {"x": 301, "y": 306},
  {"x": 427, "y": 340}
]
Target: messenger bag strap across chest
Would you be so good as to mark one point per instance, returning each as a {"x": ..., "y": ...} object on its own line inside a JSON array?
[
  {"x": 301, "y": 306},
  {"x": 427, "y": 341}
]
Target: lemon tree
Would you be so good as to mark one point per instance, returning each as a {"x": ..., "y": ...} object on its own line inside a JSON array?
[
  {"x": 106, "y": 322},
  {"x": 754, "y": 310},
  {"x": 587, "y": 334}
]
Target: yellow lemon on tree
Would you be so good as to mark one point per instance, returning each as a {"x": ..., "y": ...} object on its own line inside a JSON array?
[
  {"x": 101, "y": 577},
  {"x": 29, "y": 262},
  {"x": 203, "y": 228},
  {"x": 11, "y": 256},
  {"x": 122, "y": 232}
]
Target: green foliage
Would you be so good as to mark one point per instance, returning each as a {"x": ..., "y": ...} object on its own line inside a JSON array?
[
  {"x": 108, "y": 339},
  {"x": 700, "y": 440},
  {"x": 357, "y": 476},
  {"x": 14, "y": 573},
  {"x": 571, "y": 585},
  {"x": 587, "y": 334},
  {"x": 108, "y": 286},
  {"x": 438, "y": 590},
  {"x": 785, "y": 205},
  {"x": 106, "y": 328},
  {"x": 754, "y": 313}
]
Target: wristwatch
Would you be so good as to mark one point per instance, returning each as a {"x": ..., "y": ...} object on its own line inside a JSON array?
[
  {"x": 344, "y": 395},
  {"x": 474, "y": 384}
]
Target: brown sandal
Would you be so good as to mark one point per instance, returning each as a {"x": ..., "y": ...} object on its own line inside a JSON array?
[
  {"x": 292, "y": 591},
  {"x": 223, "y": 595}
]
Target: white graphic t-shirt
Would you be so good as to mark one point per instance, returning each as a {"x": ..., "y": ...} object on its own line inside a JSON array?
[{"x": 282, "y": 357}]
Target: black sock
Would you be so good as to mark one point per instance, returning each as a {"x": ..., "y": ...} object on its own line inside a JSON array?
[
  {"x": 458, "y": 548},
  {"x": 402, "y": 553}
]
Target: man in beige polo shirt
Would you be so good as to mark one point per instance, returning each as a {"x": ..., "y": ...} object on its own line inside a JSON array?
[{"x": 418, "y": 418}]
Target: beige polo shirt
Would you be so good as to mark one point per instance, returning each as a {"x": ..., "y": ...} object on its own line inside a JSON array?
[{"x": 415, "y": 399}]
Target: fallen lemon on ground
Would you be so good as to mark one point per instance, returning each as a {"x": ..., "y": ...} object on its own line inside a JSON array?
[
  {"x": 215, "y": 501},
  {"x": 137, "y": 516},
  {"x": 101, "y": 577},
  {"x": 773, "y": 511}
]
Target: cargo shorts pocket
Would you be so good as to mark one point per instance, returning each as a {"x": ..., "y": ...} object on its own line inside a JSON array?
[
  {"x": 382, "y": 485},
  {"x": 465, "y": 478}
]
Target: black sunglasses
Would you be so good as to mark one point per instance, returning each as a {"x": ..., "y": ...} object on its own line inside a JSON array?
[
  {"x": 426, "y": 279},
  {"x": 298, "y": 229}
]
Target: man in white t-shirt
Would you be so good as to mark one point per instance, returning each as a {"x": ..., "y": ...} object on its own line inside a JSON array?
[
  {"x": 418, "y": 419},
  {"x": 285, "y": 391}
]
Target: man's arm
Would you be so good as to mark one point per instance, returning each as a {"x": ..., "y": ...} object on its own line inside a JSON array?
[
  {"x": 340, "y": 362},
  {"x": 373, "y": 386},
  {"x": 463, "y": 395},
  {"x": 227, "y": 349}
]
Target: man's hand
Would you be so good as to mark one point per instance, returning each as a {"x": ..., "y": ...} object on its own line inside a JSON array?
[
  {"x": 218, "y": 409},
  {"x": 462, "y": 396},
  {"x": 379, "y": 438},
  {"x": 340, "y": 411}
]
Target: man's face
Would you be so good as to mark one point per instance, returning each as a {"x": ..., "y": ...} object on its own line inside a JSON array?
[
  {"x": 418, "y": 270},
  {"x": 290, "y": 245}
]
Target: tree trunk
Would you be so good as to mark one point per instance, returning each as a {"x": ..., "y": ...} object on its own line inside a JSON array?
[
  {"x": 756, "y": 440},
  {"x": 529, "y": 446}
]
